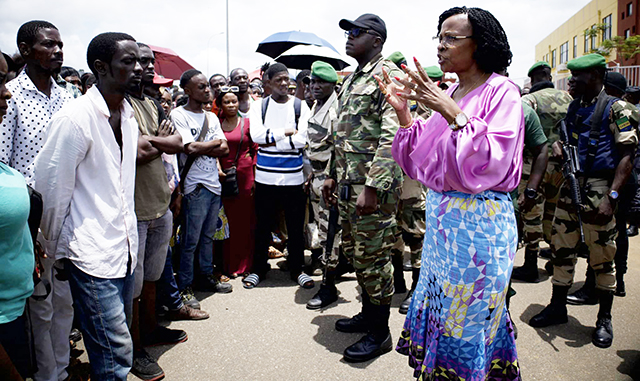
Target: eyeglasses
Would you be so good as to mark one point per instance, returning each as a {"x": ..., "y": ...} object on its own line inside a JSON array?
[
  {"x": 355, "y": 32},
  {"x": 227, "y": 89},
  {"x": 448, "y": 40}
]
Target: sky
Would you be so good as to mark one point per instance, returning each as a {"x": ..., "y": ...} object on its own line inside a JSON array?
[{"x": 196, "y": 30}]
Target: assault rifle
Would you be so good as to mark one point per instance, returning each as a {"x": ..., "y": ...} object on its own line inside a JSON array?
[{"x": 571, "y": 166}]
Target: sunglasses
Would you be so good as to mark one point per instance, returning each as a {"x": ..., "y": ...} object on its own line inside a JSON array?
[
  {"x": 229, "y": 89},
  {"x": 355, "y": 32}
]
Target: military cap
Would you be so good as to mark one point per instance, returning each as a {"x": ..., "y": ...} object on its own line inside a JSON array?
[
  {"x": 434, "y": 72},
  {"x": 324, "y": 71},
  {"x": 615, "y": 80},
  {"x": 537, "y": 65},
  {"x": 589, "y": 61},
  {"x": 632, "y": 90},
  {"x": 366, "y": 21},
  {"x": 397, "y": 58}
]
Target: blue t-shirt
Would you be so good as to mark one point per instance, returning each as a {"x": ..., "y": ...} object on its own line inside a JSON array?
[{"x": 16, "y": 246}]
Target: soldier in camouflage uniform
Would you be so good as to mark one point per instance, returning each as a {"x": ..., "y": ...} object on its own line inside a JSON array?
[
  {"x": 551, "y": 106},
  {"x": 605, "y": 162},
  {"x": 411, "y": 215},
  {"x": 368, "y": 183},
  {"x": 323, "y": 114}
]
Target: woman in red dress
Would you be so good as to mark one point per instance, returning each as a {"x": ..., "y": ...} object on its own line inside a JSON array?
[{"x": 238, "y": 249}]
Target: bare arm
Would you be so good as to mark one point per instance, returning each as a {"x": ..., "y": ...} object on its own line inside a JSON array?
[
  {"x": 213, "y": 148},
  {"x": 168, "y": 144},
  {"x": 146, "y": 151},
  {"x": 541, "y": 155}
]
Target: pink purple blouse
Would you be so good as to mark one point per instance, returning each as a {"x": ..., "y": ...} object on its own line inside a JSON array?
[{"x": 484, "y": 155}]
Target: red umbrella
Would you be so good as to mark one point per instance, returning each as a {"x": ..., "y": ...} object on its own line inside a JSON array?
[{"x": 168, "y": 63}]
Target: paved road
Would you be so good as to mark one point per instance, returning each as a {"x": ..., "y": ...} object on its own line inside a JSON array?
[{"x": 268, "y": 334}]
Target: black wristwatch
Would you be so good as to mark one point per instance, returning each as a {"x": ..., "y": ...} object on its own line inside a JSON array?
[{"x": 530, "y": 193}]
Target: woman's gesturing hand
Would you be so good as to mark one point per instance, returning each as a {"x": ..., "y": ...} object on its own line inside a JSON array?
[{"x": 391, "y": 92}]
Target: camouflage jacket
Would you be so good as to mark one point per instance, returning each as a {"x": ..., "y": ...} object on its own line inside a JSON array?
[
  {"x": 551, "y": 106},
  {"x": 319, "y": 132},
  {"x": 365, "y": 130}
]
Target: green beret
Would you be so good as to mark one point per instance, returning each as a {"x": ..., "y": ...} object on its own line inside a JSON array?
[
  {"x": 588, "y": 61},
  {"x": 397, "y": 58},
  {"x": 434, "y": 72},
  {"x": 537, "y": 65},
  {"x": 324, "y": 71}
]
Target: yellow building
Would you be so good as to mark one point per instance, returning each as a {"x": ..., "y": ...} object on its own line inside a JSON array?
[{"x": 569, "y": 40}]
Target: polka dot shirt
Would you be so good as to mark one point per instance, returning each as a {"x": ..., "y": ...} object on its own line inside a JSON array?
[{"x": 22, "y": 132}]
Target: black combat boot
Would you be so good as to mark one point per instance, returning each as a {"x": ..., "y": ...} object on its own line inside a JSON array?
[
  {"x": 358, "y": 323},
  {"x": 399, "y": 285},
  {"x": 587, "y": 293},
  {"x": 620, "y": 289},
  {"x": 528, "y": 272},
  {"x": 327, "y": 294},
  {"x": 555, "y": 312},
  {"x": 406, "y": 303},
  {"x": 603, "y": 334},
  {"x": 377, "y": 342}
]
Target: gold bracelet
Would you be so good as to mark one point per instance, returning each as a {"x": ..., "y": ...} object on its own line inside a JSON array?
[{"x": 407, "y": 125}]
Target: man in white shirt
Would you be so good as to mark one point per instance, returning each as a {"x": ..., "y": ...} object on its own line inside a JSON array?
[
  {"x": 201, "y": 186},
  {"x": 279, "y": 126},
  {"x": 86, "y": 175},
  {"x": 36, "y": 98}
]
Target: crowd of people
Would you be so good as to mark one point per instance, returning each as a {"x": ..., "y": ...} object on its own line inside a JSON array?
[{"x": 110, "y": 179}]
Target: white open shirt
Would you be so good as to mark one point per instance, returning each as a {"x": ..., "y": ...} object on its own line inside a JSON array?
[{"x": 87, "y": 187}]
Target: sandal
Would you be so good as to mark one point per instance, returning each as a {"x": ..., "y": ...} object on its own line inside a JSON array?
[
  {"x": 251, "y": 281},
  {"x": 305, "y": 281},
  {"x": 275, "y": 253},
  {"x": 223, "y": 278}
]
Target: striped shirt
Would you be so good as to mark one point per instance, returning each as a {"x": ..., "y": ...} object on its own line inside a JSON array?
[{"x": 280, "y": 164}]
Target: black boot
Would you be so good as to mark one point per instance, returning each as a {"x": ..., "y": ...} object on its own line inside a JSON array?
[
  {"x": 587, "y": 293},
  {"x": 555, "y": 312},
  {"x": 327, "y": 294},
  {"x": 358, "y": 323},
  {"x": 528, "y": 272},
  {"x": 377, "y": 342},
  {"x": 398, "y": 274},
  {"x": 603, "y": 334},
  {"x": 620, "y": 289},
  {"x": 406, "y": 303},
  {"x": 632, "y": 230}
]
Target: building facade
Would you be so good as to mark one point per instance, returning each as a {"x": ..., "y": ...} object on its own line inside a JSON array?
[{"x": 628, "y": 22}]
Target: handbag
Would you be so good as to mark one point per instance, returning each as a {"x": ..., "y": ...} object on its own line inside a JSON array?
[{"x": 230, "y": 183}]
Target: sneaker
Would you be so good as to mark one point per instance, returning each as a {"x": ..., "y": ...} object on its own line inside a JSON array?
[
  {"x": 189, "y": 299},
  {"x": 164, "y": 336},
  {"x": 145, "y": 367},
  {"x": 211, "y": 284}
]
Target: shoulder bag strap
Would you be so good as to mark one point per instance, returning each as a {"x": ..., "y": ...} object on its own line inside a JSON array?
[
  {"x": 235, "y": 162},
  {"x": 192, "y": 158}
]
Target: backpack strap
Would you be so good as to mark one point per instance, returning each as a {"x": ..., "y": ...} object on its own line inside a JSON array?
[
  {"x": 265, "y": 105},
  {"x": 297, "y": 105}
]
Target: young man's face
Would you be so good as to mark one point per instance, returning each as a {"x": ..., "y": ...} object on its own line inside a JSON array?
[
  {"x": 125, "y": 69},
  {"x": 198, "y": 89},
  {"x": 46, "y": 51},
  {"x": 321, "y": 89},
  {"x": 280, "y": 84},
  {"x": 147, "y": 61},
  {"x": 216, "y": 82}
]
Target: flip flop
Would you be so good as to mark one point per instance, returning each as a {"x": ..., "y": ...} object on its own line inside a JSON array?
[
  {"x": 305, "y": 281},
  {"x": 250, "y": 281}
]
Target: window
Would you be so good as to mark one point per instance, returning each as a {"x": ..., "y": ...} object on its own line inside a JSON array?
[
  {"x": 564, "y": 52},
  {"x": 606, "y": 33},
  {"x": 594, "y": 37},
  {"x": 627, "y": 33},
  {"x": 575, "y": 46},
  {"x": 553, "y": 58},
  {"x": 629, "y": 9},
  {"x": 586, "y": 41}
]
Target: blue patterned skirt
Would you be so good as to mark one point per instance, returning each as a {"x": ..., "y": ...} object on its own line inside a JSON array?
[{"x": 457, "y": 326}]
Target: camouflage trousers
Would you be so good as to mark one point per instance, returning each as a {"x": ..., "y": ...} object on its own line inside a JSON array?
[
  {"x": 411, "y": 220},
  {"x": 329, "y": 258},
  {"x": 537, "y": 222},
  {"x": 367, "y": 242},
  {"x": 600, "y": 236}
]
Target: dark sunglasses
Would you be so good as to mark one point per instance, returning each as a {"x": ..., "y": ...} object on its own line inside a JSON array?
[{"x": 355, "y": 32}]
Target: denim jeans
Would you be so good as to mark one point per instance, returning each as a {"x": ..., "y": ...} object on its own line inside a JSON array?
[
  {"x": 103, "y": 307},
  {"x": 200, "y": 209},
  {"x": 167, "y": 293}
]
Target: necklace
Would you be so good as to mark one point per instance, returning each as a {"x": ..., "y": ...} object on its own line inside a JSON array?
[{"x": 474, "y": 86}]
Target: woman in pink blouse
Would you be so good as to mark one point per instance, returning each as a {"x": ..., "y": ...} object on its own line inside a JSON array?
[{"x": 469, "y": 155}]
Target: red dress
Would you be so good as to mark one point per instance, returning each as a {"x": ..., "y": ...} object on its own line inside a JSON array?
[{"x": 240, "y": 209}]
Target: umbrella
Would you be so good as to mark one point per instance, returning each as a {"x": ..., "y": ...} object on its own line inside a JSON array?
[
  {"x": 278, "y": 43},
  {"x": 302, "y": 56},
  {"x": 168, "y": 63}
]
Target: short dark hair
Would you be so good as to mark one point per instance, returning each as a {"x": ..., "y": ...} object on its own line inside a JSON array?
[
  {"x": 217, "y": 75},
  {"x": 304, "y": 73},
  {"x": 29, "y": 30},
  {"x": 492, "y": 53},
  {"x": 275, "y": 69},
  {"x": 234, "y": 71},
  {"x": 186, "y": 77},
  {"x": 68, "y": 71},
  {"x": 103, "y": 47}
]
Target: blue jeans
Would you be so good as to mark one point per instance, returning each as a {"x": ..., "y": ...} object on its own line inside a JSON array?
[
  {"x": 167, "y": 293},
  {"x": 200, "y": 209},
  {"x": 103, "y": 307}
]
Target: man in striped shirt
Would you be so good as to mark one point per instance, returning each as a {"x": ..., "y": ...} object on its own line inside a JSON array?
[{"x": 279, "y": 126}]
